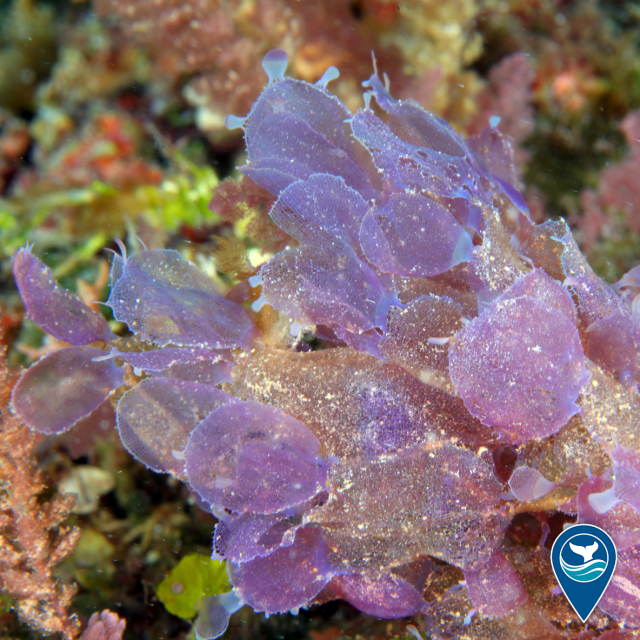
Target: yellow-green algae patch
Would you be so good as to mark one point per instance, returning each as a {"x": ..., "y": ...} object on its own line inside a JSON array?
[{"x": 193, "y": 578}]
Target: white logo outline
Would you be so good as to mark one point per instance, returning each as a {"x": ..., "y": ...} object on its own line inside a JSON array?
[{"x": 568, "y": 541}]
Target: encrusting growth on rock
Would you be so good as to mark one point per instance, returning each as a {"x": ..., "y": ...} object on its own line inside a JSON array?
[{"x": 32, "y": 539}]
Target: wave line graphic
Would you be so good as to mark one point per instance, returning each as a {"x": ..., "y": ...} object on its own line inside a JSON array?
[{"x": 584, "y": 572}]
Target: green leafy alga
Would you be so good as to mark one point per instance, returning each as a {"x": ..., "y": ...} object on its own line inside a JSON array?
[{"x": 194, "y": 577}]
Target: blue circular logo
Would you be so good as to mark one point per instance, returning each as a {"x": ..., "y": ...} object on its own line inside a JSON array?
[{"x": 583, "y": 558}]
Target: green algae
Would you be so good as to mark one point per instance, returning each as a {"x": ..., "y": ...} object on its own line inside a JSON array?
[{"x": 194, "y": 577}]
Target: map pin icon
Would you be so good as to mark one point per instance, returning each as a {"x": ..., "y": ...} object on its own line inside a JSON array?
[{"x": 583, "y": 558}]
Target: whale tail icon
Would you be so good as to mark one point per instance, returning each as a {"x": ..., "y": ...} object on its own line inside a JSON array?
[{"x": 586, "y": 552}]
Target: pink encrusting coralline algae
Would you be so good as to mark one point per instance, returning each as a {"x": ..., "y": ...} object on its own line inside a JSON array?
[{"x": 475, "y": 369}]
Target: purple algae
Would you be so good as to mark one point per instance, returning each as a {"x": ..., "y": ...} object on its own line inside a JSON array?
[{"x": 458, "y": 330}]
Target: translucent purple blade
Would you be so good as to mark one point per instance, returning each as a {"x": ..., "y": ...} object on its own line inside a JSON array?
[
  {"x": 297, "y": 128},
  {"x": 452, "y": 617},
  {"x": 159, "y": 359},
  {"x": 287, "y": 143},
  {"x": 117, "y": 268},
  {"x": 407, "y": 165},
  {"x": 496, "y": 263},
  {"x": 520, "y": 367},
  {"x": 417, "y": 335},
  {"x": 435, "y": 500},
  {"x": 53, "y": 308},
  {"x": 167, "y": 300},
  {"x": 288, "y": 578},
  {"x": 517, "y": 199},
  {"x": 386, "y": 597},
  {"x": 459, "y": 284},
  {"x": 614, "y": 345},
  {"x": 607, "y": 418},
  {"x": 250, "y": 457},
  {"x": 202, "y": 372},
  {"x": 529, "y": 484},
  {"x": 197, "y": 365},
  {"x": 496, "y": 151},
  {"x": 273, "y": 179},
  {"x": 319, "y": 286},
  {"x": 539, "y": 286},
  {"x": 321, "y": 112},
  {"x": 384, "y": 408},
  {"x": 321, "y": 211},
  {"x": 413, "y": 124},
  {"x": 626, "y": 466},
  {"x": 545, "y": 247},
  {"x": 213, "y": 614},
  {"x": 366, "y": 342},
  {"x": 496, "y": 589},
  {"x": 242, "y": 537},
  {"x": 63, "y": 387},
  {"x": 410, "y": 235},
  {"x": 621, "y": 600},
  {"x": 595, "y": 298},
  {"x": 156, "y": 417},
  {"x": 467, "y": 213},
  {"x": 213, "y": 618}
]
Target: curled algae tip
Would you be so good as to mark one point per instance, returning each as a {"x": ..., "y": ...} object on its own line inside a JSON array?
[
  {"x": 275, "y": 64},
  {"x": 375, "y": 64},
  {"x": 494, "y": 121},
  {"x": 332, "y": 73},
  {"x": 604, "y": 501},
  {"x": 234, "y": 122},
  {"x": 213, "y": 614},
  {"x": 255, "y": 281},
  {"x": 108, "y": 356},
  {"x": 123, "y": 248},
  {"x": 258, "y": 304},
  {"x": 529, "y": 484},
  {"x": 414, "y": 631},
  {"x": 144, "y": 246}
]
